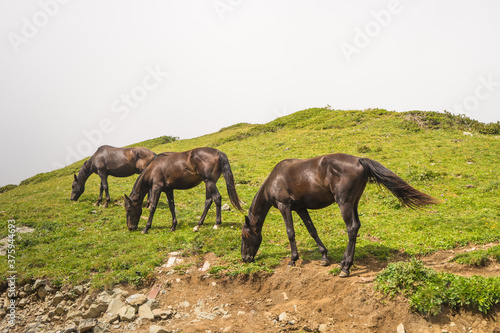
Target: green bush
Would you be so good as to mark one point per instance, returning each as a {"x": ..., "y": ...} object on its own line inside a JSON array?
[{"x": 428, "y": 291}]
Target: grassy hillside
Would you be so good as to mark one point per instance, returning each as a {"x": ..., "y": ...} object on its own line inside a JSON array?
[{"x": 75, "y": 242}]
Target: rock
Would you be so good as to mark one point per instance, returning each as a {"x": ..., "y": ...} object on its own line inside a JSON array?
[
  {"x": 57, "y": 299},
  {"x": 227, "y": 329},
  {"x": 119, "y": 293},
  {"x": 92, "y": 312},
  {"x": 60, "y": 310},
  {"x": 153, "y": 304},
  {"x": 48, "y": 289},
  {"x": 38, "y": 283},
  {"x": 110, "y": 317},
  {"x": 78, "y": 290},
  {"x": 323, "y": 328},
  {"x": 87, "y": 301},
  {"x": 114, "y": 306},
  {"x": 145, "y": 312},
  {"x": 401, "y": 328},
  {"x": 283, "y": 317},
  {"x": 103, "y": 301},
  {"x": 41, "y": 293},
  {"x": 127, "y": 313},
  {"x": 87, "y": 325},
  {"x": 205, "y": 267},
  {"x": 73, "y": 314},
  {"x": 163, "y": 314},
  {"x": 22, "y": 303},
  {"x": 307, "y": 329},
  {"x": 136, "y": 299},
  {"x": 225, "y": 207},
  {"x": 3, "y": 313},
  {"x": 184, "y": 304},
  {"x": 70, "y": 329},
  {"x": 206, "y": 315},
  {"x": 158, "y": 329},
  {"x": 101, "y": 328}
]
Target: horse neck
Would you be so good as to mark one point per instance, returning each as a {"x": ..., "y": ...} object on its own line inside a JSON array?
[
  {"x": 140, "y": 189},
  {"x": 85, "y": 172},
  {"x": 259, "y": 209}
]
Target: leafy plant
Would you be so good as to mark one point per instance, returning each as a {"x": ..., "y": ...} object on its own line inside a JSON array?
[{"x": 428, "y": 291}]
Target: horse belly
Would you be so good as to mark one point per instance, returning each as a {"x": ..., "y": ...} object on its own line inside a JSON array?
[
  {"x": 318, "y": 200},
  {"x": 184, "y": 183},
  {"x": 122, "y": 171}
]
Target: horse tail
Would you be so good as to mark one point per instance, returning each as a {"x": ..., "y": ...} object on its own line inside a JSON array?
[
  {"x": 405, "y": 193},
  {"x": 229, "y": 178}
]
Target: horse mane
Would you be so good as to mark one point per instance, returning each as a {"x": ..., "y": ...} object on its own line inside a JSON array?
[{"x": 85, "y": 170}]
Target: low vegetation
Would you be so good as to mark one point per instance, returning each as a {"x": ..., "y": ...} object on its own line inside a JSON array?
[
  {"x": 75, "y": 242},
  {"x": 428, "y": 291}
]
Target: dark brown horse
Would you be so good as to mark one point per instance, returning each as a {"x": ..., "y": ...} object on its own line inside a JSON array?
[
  {"x": 111, "y": 161},
  {"x": 181, "y": 171},
  {"x": 299, "y": 185}
]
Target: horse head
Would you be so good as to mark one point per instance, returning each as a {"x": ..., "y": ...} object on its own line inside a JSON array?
[
  {"x": 250, "y": 241},
  {"x": 133, "y": 208},
  {"x": 76, "y": 189}
]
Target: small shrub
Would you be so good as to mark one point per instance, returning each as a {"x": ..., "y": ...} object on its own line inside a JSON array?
[{"x": 428, "y": 291}]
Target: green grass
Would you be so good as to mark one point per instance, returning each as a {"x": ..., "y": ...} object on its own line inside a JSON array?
[
  {"x": 75, "y": 242},
  {"x": 428, "y": 291},
  {"x": 478, "y": 257}
]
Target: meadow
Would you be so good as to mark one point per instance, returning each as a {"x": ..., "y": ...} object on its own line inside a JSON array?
[{"x": 452, "y": 158}]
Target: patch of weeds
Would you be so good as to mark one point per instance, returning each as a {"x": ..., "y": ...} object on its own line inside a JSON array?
[
  {"x": 217, "y": 270},
  {"x": 364, "y": 149},
  {"x": 335, "y": 271},
  {"x": 428, "y": 291},
  {"x": 478, "y": 258},
  {"x": 473, "y": 258}
]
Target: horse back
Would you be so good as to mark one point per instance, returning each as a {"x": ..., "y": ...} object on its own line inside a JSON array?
[{"x": 316, "y": 182}]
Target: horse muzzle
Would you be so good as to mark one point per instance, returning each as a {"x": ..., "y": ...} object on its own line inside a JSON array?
[{"x": 248, "y": 259}]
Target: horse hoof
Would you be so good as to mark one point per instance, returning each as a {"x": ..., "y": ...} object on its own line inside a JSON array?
[
  {"x": 291, "y": 264},
  {"x": 196, "y": 229},
  {"x": 343, "y": 274},
  {"x": 144, "y": 232},
  {"x": 216, "y": 227},
  {"x": 324, "y": 262}
]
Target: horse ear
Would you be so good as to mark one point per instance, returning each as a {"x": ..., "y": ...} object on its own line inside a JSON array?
[
  {"x": 126, "y": 198},
  {"x": 247, "y": 221},
  {"x": 76, "y": 178}
]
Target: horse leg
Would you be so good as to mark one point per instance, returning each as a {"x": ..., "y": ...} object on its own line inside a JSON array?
[
  {"x": 286, "y": 212},
  {"x": 104, "y": 182},
  {"x": 171, "y": 205},
  {"x": 101, "y": 188},
  {"x": 155, "y": 196},
  {"x": 209, "y": 185},
  {"x": 349, "y": 213},
  {"x": 304, "y": 215},
  {"x": 217, "y": 200}
]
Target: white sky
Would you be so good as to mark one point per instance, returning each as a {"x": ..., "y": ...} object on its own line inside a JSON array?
[{"x": 75, "y": 67}]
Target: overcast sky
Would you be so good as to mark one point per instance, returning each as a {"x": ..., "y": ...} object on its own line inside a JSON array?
[{"x": 78, "y": 74}]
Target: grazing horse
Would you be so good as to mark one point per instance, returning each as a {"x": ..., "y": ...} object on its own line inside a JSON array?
[
  {"x": 299, "y": 185},
  {"x": 111, "y": 161},
  {"x": 181, "y": 171}
]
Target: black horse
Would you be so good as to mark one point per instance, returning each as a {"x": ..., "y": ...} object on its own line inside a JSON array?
[
  {"x": 299, "y": 185},
  {"x": 181, "y": 171},
  {"x": 111, "y": 161}
]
